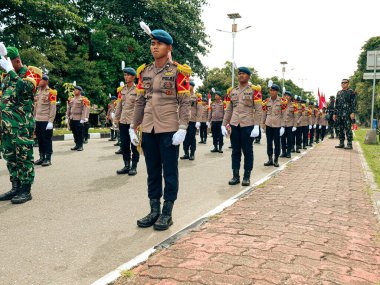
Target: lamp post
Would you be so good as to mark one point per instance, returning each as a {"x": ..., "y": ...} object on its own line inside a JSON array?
[
  {"x": 234, "y": 31},
  {"x": 302, "y": 80},
  {"x": 283, "y": 73}
]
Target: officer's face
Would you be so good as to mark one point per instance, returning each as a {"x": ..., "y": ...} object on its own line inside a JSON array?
[
  {"x": 159, "y": 50},
  {"x": 273, "y": 93},
  {"x": 344, "y": 84},
  {"x": 43, "y": 83},
  {"x": 76, "y": 92},
  {"x": 129, "y": 78},
  {"x": 243, "y": 77}
]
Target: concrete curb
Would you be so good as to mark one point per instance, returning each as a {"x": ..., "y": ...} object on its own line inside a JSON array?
[
  {"x": 113, "y": 275},
  {"x": 68, "y": 137}
]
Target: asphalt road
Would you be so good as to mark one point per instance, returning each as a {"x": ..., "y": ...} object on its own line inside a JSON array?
[{"x": 81, "y": 223}]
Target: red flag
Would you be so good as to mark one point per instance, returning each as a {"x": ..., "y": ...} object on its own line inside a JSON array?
[{"x": 320, "y": 102}]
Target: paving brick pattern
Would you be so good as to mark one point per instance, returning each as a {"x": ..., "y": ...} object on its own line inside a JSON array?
[{"x": 311, "y": 224}]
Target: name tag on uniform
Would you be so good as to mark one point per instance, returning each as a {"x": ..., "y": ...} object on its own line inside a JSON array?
[{"x": 169, "y": 73}]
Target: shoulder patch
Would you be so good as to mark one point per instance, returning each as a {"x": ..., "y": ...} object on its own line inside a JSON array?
[
  {"x": 140, "y": 69},
  {"x": 183, "y": 68}
]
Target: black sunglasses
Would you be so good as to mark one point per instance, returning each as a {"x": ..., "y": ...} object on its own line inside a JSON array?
[{"x": 344, "y": 82}]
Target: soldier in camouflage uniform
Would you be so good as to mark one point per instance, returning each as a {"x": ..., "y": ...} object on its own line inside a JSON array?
[
  {"x": 330, "y": 112},
  {"x": 344, "y": 114},
  {"x": 17, "y": 124}
]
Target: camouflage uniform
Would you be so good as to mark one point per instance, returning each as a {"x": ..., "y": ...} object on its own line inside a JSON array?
[
  {"x": 344, "y": 106},
  {"x": 17, "y": 125},
  {"x": 332, "y": 125}
]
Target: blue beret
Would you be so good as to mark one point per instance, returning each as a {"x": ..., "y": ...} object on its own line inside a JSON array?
[
  {"x": 316, "y": 105},
  {"x": 192, "y": 83},
  {"x": 78, "y": 88},
  {"x": 45, "y": 77},
  {"x": 218, "y": 93},
  {"x": 289, "y": 93},
  {"x": 311, "y": 103},
  {"x": 245, "y": 70},
  {"x": 130, "y": 71},
  {"x": 275, "y": 87},
  {"x": 162, "y": 36},
  {"x": 113, "y": 97}
]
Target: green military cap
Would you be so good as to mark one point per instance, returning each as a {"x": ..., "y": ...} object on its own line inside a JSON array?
[
  {"x": 245, "y": 70},
  {"x": 130, "y": 70},
  {"x": 162, "y": 36},
  {"x": 192, "y": 83},
  {"x": 12, "y": 52},
  {"x": 218, "y": 93}
]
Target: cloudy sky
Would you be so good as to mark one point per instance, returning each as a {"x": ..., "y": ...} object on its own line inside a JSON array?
[{"x": 321, "y": 40}]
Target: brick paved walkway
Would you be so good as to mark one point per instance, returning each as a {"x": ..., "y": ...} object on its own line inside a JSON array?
[{"x": 311, "y": 224}]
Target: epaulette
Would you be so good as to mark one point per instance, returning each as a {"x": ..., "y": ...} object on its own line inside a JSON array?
[
  {"x": 295, "y": 105},
  {"x": 118, "y": 89},
  {"x": 53, "y": 96},
  {"x": 265, "y": 101},
  {"x": 70, "y": 98},
  {"x": 34, "y": 75},
  {"x": 199, "y": 98},
  {"x": 229, "y": 90},
  {"x": 284, "y": 104},
  {"x": 140, "y": 69},
  {"x": 183, "y": 68},
  {"x": 256, "y": 87}
]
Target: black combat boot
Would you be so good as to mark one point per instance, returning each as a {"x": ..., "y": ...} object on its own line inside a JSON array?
[
  {"x": 151, "y": 218},
  {"x": 113, "y": 138},
  {"x": 119, "y": 151},
  {"x": 75, "y": 147},
  {"x": 349, "y": 145},
  {"x": 47, "y": 160},
  {"x": 201, "y": 141},
  {"x": 165, "y": 219},
  {"x": 133, "y": 170},
  {"x": 41, "y": 160},
  {"x": 13, "y": 192},
  {"x": 191, "y": 157},
  {"x": 186, "y": 155},
  {"x": 340, "y": 145},
  {"x": 235, "y": 178},
  {"x": 220, "y": 150},
  {"x": 288, "y": 155},
  {"x": 304, "y": 147},
  {"x": 215, "y": 149},
  {"x": 293, "y": 150},
  {"x": 298, "y": 149},
  {"x": 283, "y": 154},
  {"x": 246, "y": 177},
  {"x": 269, "y": 162},
  {"x": 275, "y": 163},
  {"x": 23, "y": 195},
  {"x": 125, "y": 169}
]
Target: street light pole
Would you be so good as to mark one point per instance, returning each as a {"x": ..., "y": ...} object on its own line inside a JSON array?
[
  {"x": 234, "y": 31},
  {"x": 283, "y": 74}
]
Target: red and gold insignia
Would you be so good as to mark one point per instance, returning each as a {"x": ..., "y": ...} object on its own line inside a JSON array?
[
  {"x": 53, "y": 96},
  {"x": 34, "y": 75}
]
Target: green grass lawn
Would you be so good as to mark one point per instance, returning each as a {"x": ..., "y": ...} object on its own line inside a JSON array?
[
  {"x": 58, "y": 132},
  {"x": 371, "y": 153}
]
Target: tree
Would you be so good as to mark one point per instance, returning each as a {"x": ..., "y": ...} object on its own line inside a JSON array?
[{"x": 364, "y": 88}]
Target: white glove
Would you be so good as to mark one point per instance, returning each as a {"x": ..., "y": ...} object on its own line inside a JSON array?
[
  {"x": 66, "y": 121},
  {"x": 294, "y": 129},
  {"x": 86, "y": 120},
  {"x": 282, "y": 131},
  {"x": 179, "y": 137},
  {"x": 197, "y": 125},
  {"x": 133, "y": 136},
  {"x": 315, "y": 126},
  {"x": 81, "y": 121},
  {"x": 327, "y": 127},
  {"x": 224, "y": 131},
  {"x": 310, "y": 127},
  {"x": 6, "y": 64},
  {"x": 208, "y": 124},
  {"x": 49, "y": 126},
  {"x": 255, "y": 132},
  {"x": 320, "y": 127},
  {"x": 262, "y": 131}
]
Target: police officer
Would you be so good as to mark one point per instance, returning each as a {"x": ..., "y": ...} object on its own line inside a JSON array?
[
  {"x": 203, "y": 120},
  {"x": 303, "y": 123},
  {"x": 290, "y": 122},
  {"x": 76, "y": 114},
  {"x": 344, "y": 113},
  {"x": 312, "y": 122},
  {"x": 330, "y": 115},
  {"x": 44, "y": 113},
  {"x": 322, "y": 124},
  {"x": 215, "y": 118},
  {"x": 243, "y": 114},
  {"x": 17, "y": 124},
  {"x": 124, "y": 114},
  {"x": 86, "y": 124},
  {"x": 194, "y": 124},
  {"x": 162, "y": 109},
  {"x": 110, "y": 117},
  {"x": 273, "y": 123}
]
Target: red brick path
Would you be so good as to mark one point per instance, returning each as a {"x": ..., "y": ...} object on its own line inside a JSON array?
[{"x": 311, "y": 224}]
